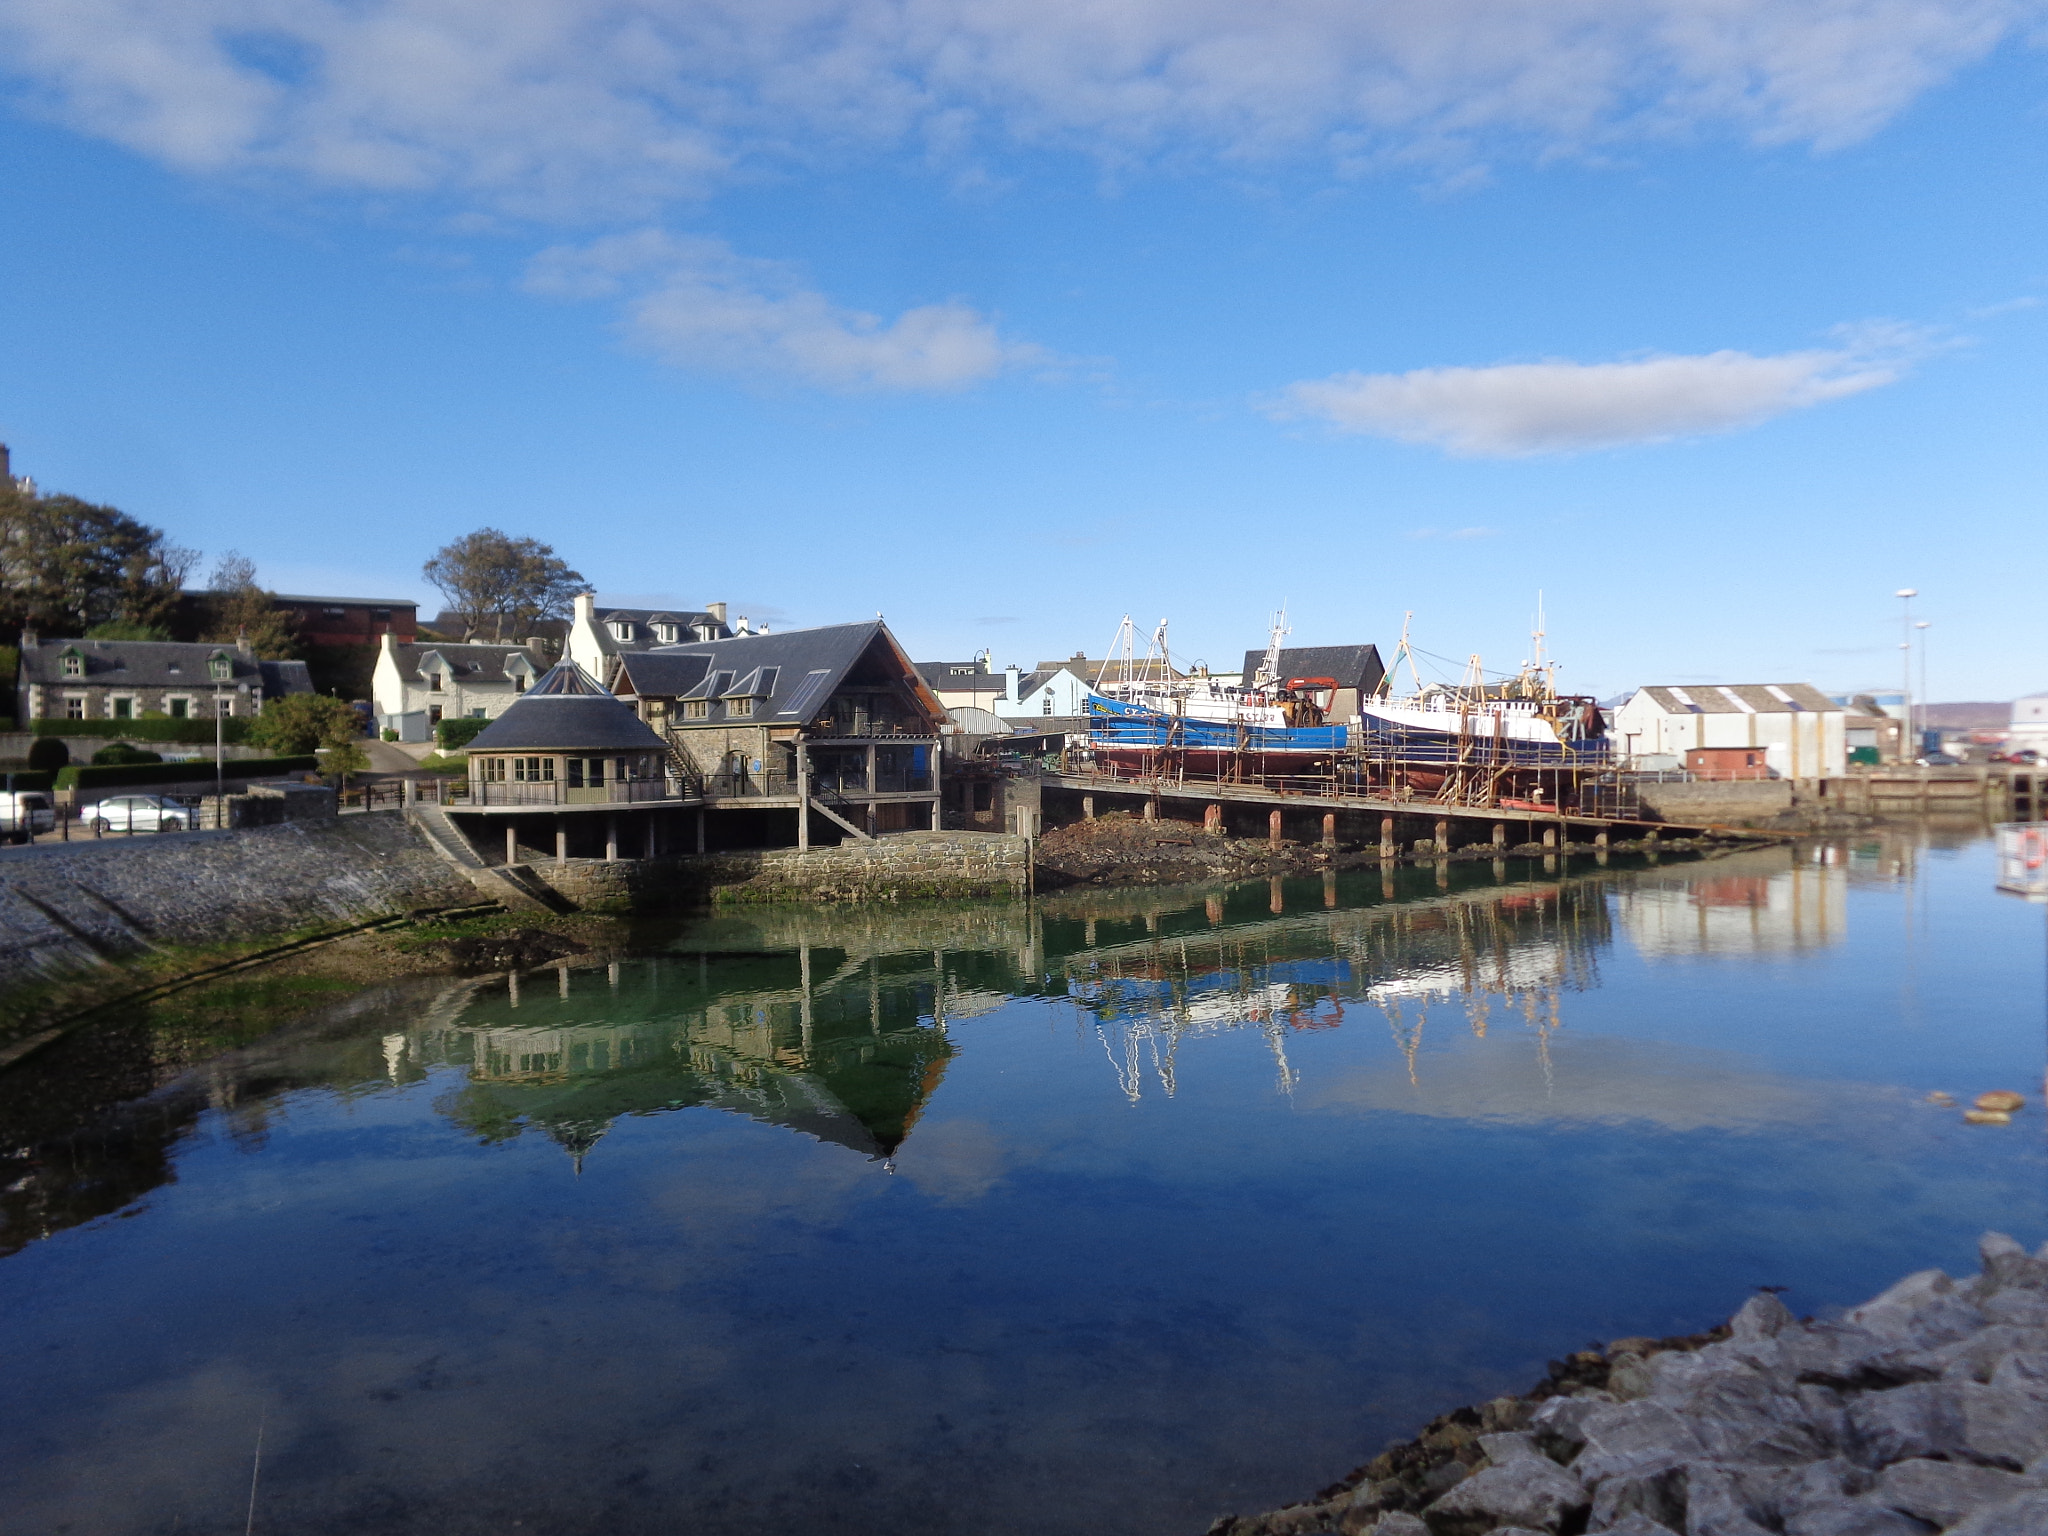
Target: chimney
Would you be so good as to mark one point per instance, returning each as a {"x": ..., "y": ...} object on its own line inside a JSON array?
[
  {"x": 716, "y": 610},
  {"x": 242, "y": 640},
  {"x": 586, "y": 608},
  {"x": 30, "y": 639},
  {"x": 538, "y": 644},
  {"x": 1011, "y": 674},
  {"x": 6, "y": 469},
  {"x": 742, "y": 628}
]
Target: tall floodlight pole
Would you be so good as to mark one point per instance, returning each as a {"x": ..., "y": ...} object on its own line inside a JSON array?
[
  {"x": 1926, "y": 698},
  {"x": 1905, "y": 596}
]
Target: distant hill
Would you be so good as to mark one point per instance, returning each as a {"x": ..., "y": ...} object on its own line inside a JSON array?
[{"x": 1966, "y": 717}]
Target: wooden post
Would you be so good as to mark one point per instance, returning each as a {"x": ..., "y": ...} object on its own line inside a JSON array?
[
  {"x": 1212, "y": 820},
  {"x": 1329, "y": 887},
  {"x": 1386, "y": 837},
  {"x": 803, "y": 795},
  {"x": 1273, "y": 831},
  {"x": 1276, "y": 901},
  {"x": 1212, "y": 909},
  {"x": 511, "y": 843},
  {"x": 1330, "y": 833},
  {"x": 611, "y": 838}
]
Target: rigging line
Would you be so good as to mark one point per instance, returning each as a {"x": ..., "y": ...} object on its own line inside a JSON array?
[{"x": 255, "y": 1470}]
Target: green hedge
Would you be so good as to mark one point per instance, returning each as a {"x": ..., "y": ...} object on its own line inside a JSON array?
[
  {"x": 458, "y": 732},
  {"x": 192, "y": 732},
  {"x": 28, "y": 779},
  {"x": 76, "y": 777}
]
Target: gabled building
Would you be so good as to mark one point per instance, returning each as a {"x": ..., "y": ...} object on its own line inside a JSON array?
[
  {"x": 417, "y": 686},
  {"x": 1054, "y": 698},
  {"x": 130, "y": 679},
  {"x": 1800, "y": 731},
  {"x": 598, "y": 637},
  {"x": 1356, "y": 671},
  {"x": 833, "y": 726},
  {"x": 962, "y": 684}
]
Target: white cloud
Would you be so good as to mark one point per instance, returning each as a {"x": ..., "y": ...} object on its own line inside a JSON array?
[
  {"x": 573, "y": 105},
  {"x": 1516, "y": 409},
  {"x": 697, "y": 304}
]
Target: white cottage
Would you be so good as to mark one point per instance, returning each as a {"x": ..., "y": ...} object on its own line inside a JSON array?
[
  {"x": 418, "y": 686},
  {"x": 1796, "y": 730}
]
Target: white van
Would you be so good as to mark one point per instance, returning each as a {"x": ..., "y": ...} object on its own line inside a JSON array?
[{"x": 24, "y": 813}]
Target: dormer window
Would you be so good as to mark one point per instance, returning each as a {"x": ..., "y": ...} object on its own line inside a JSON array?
[
  {"x": 519, "y": 681},
  {"x": 219, "y": 668},
  {"x": 74, "y": 664},
  {"x": 707, "y": 631},
  {"x": 433, "y": 682},
  {"x": 621, "y": 629},
  {"x": 739, "y": 709},
  {"x": 668, "y": 634}
]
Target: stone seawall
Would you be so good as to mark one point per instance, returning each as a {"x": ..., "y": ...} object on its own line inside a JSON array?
[
  {"x": 69, "y": 908},
  {"x": 903, "y": 866},
  {"x": 1735, "y": 803}
]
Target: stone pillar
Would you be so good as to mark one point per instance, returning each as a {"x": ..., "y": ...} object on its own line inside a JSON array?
[
  {"x": 561, "y": 841},
  {"x": 1600, "y": 839},
  {"x": 1500, "y": 834},
  {"x": 700, "y": 831},
  {"x": 1151, "y": 811},
  {"x": 1550, "y": 837},
  {"x": 1386, "y": 837},
  {"x": 1212, "y": 820},
  {"x": 1330, "y": 830},
  {"x": 611, "y": 838},
  {"x": 1273, "y": 830},
  {"x": 511, "y": 843},
  {"x": 1443, "y": 835},
  {"x": 652, "y": 844},
  {"x": 1087, "y": 807},
  {"x": 411, "y": 792}
]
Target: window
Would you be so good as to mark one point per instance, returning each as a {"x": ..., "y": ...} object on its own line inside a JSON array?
[
  {"x": 175, "y": 670},
  {"x": 533, "y": 770},
  {"x": 433, "y": 682},
  {"x": 668, "y": 634},
  {"x": 586, "y": 773},
  {"x": 380, "y": 613},
  {"x": 1048, "y": 701},
  {"x": 74, "y": 706},
  {"x": 984, "y": 795},
  {"x": 620, "y": 629},
  {"x": 493, "y": 769},
  {"x": 696, "y": 709},
  {"x": 707, "y": 631},
  {"x": 178, "y": 709},
  {"x": 479, "y": 714},
  {"x": 519, "y": 682},
  {"x": 124, "y": 709},
  {"x": 74, "y": 664},
  {"x": 739, "y": 709},
  {"x": 219, "y": 668},
  {"x": 335, "y": 613},
  {"x": 433, "y": 714}
]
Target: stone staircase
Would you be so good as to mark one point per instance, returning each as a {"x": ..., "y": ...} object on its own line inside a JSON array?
[{"x": 518, "y": 889}]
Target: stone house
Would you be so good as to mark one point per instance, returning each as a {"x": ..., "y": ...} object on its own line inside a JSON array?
[
  {"x": 599, "y": 637},
  {"x": 833, "y": 723},
  {"x": 415, "y": 687},
  {"x": 128, "y": 679}
]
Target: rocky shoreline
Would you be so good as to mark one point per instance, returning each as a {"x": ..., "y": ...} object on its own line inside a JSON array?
[{"x": 1923, "y": 1410}]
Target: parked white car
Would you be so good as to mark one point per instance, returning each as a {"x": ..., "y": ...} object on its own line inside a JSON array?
[
  {"x": 139, "y": 813},
  {"x": 24, "y": 813}
]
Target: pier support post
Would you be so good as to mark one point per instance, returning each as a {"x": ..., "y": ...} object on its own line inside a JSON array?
[
  {"x": 611, "y": 839},
  {"x": 1386, "y": 837},
  {"x": 511, "y": 843},
  {"x": 1212, "y": 821},
  {"x": 1276, "y": 900},
  {"x": 561, "y": 842},
  {"x": 1273, "y": 828},
  {"x": 1087, "y": 807},
  {"x": 1550, "y": 837},
  {"x": 1329, "y": 887},
  {"x": 1650, "y": 837},
  {"x": 1443, "y": 835},
  {"x": 652, "y": 845},
  {"x": 1600, "y": 839},
  {"x": 700, "y": 831},
  {"x": 1329, "y": 829},
  {"x": 1500, "y": 834},
  {"x": 1151, "y": 811},
  {"x": 1212, "y": 909}
]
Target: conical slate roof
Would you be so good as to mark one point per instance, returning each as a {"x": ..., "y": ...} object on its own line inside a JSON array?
[{"x": 566, "y": 711}]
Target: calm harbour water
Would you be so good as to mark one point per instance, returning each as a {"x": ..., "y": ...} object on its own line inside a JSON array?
[{"x": 1102, "y": 1215}]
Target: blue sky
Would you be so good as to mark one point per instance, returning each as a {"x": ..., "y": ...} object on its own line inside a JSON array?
[{"x": 1714, "y": 323}]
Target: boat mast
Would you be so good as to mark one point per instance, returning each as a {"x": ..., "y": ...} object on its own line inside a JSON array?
[{"x": 1269, "y": 670}]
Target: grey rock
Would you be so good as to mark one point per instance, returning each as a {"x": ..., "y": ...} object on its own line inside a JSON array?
[
  {"x": 1826, "y": 1413},
  {"x": 1920, "y": 1312},
  {"x": 1564, "y": 1418},
  {"x": 2024, "y": 1515},
  {"x": 1655, "y": 1496},
  {"x": 2022, "y": 1371},
  {"x": 1975, "y": 1358},
  {"x": 1443, "y": 1476},
  {"x": 2022, "y": 1309},
  {"x": 1823, "y": 1482},
  {"x": 1942, "y": 1492},
  {"x": 1640, "y": 1525},
  {"x": 1510, "y": 1445},
  {"x": 1630, "y": 1378},
  {"x": 1400, "y": 1523},
  {"x": 1921, "y": 1420},
  {"x": 2008, "y": 1266},
  {"x": 1526, "y": 1491},
  {"x": 1854, "y": 1518},
  {"x": 1717, "y": 1504},
  {"x": 1763, "y": 1316},
  {"x": 1635, "y": 1438},
  {"x": 2002, "y": 1426}
]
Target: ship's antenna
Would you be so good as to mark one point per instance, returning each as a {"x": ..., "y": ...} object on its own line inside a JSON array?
[{"x": 1537, "y": 635}]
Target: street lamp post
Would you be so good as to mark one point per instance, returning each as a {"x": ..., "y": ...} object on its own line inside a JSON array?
[
  {"x": 219, "y": 751},
  {"x": 1905, "y": 595},
  {"x": 1922, "y": 626}
]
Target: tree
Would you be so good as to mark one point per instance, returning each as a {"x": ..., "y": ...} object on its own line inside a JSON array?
[
  {"x": 239, "y": 609},
  {"x": 296, "y": 723},
  {"x": 68, "y": 565},
  {"x": 494, "y": 580}
]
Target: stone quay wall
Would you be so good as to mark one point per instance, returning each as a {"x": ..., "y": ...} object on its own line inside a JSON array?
[
  {"x": 68, "y": 908},
  {"x": 902, "y": 866}
]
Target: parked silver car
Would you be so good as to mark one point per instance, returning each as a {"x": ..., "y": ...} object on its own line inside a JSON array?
[
  {"x": 24, "y": 813},
  {"x": 139, "y": 813}
]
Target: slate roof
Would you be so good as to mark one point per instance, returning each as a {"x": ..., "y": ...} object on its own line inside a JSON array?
[
  {"x": 643, "y": 621},
  {"x": 567, "y": 712},
  {"x": 958, "y": 675},
  {"x": 157, "y": 664},
  {"x": 792, "y": 673},
  {"x": 1743, "y": 699},
  {"x": 1354, "y": 666},
  {"x": 469, "y": 664},
  {"x": 1088, "y": 670}
]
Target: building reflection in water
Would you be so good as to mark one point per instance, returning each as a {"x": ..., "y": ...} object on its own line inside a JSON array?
[{"x": 1772, "y": 901}]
